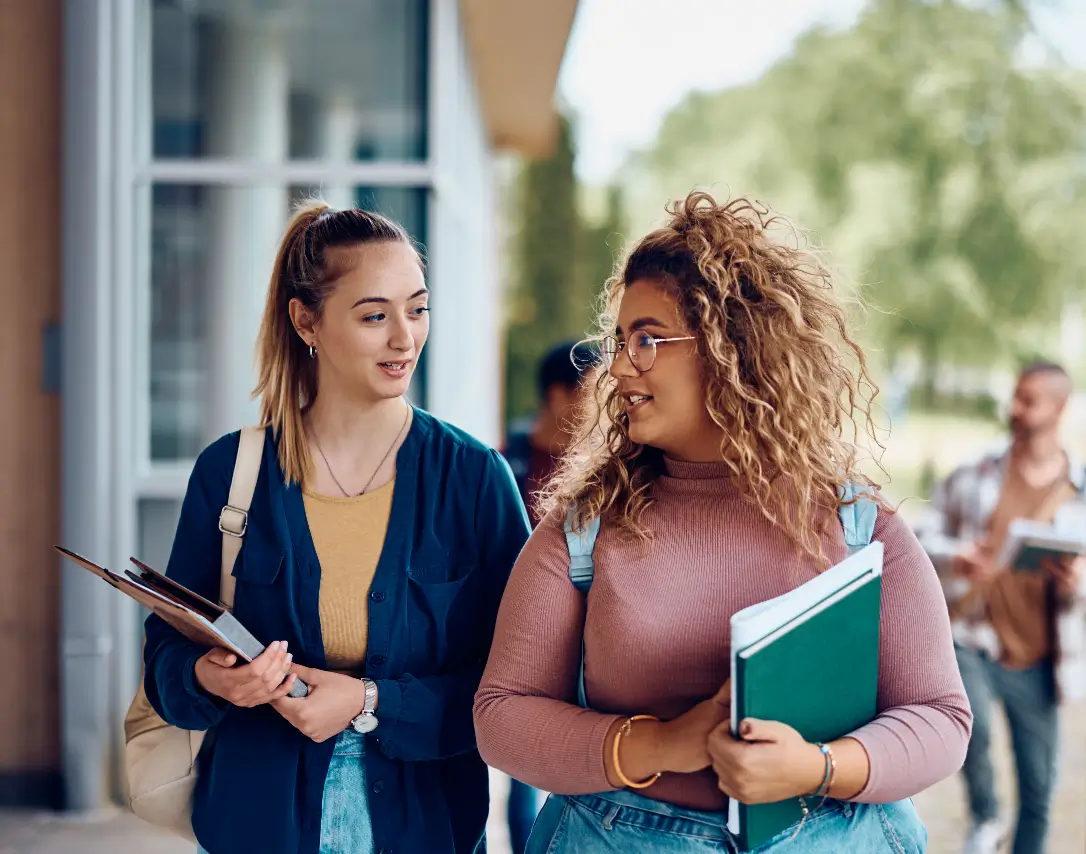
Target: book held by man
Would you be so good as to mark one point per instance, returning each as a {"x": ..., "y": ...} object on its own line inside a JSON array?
[
  {"x": 1030, "y": 544},
  {"x": 197, "y": 618},
  {"x": 809, "y": 659}
]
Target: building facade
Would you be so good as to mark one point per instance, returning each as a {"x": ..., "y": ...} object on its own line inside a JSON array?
[{"x": 153, "y": 151}]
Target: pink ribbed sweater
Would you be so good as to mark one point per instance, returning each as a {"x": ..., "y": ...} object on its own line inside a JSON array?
[{"x": 657, "y": 641}]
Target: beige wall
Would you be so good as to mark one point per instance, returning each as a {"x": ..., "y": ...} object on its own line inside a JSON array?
[{"x": 30, "y": 106}]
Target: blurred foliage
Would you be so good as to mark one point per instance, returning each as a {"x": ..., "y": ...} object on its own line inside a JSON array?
[
  {"x": 934, "y": 164},
  {"x": 560, "y": 260}
]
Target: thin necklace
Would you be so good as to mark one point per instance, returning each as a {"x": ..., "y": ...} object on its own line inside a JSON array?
[{"x": 346, "y": 494}]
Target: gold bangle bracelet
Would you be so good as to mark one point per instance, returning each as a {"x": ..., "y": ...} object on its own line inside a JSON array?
[{"x": 623, "y": 730}]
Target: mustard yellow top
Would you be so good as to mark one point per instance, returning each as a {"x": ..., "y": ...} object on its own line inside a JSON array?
[{"x": 348, "y": 534}]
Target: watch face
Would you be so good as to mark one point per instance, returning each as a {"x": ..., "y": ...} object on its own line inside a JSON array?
[{"x": 365, "y": 723}]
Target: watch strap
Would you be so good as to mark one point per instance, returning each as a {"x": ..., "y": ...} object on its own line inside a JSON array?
[{"x": 370, "y": 706}]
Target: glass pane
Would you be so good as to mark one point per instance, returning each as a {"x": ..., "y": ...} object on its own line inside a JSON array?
[
  {"x": 157, "y": 521},
  {"x": 178, "y": 327},
  {"x": 211, "y": 252},
  {"x": 157, "y": 524},
  {"x": 335, "y": 80}
]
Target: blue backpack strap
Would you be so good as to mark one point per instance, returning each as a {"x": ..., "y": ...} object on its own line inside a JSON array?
[
  {"x": 582, "y": 569},
  {"x": 581, "y": 544},
  {"x": 858, "y": 518}
]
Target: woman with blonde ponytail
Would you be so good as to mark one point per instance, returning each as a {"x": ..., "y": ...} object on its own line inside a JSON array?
[
  {"x": 713, "y": 462},
  {"x": 378, "y": 544}
]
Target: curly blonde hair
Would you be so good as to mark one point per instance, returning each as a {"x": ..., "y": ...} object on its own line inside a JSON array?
[{"x": 783, "y": 378}]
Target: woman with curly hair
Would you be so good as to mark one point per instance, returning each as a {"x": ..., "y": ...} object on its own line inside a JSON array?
[{"x": 713, "y": 453}]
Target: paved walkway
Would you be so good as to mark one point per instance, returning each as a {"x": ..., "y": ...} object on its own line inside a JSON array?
[{"x": 942, "y": 807}]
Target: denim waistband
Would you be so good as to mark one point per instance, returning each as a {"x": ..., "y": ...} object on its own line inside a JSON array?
[
  {"x": 630, "y": 808},
  {"x": 627, "y": 798}
]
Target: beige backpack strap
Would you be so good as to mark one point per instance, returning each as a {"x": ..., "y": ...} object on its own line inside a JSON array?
[{"x": 234, "y": 517}]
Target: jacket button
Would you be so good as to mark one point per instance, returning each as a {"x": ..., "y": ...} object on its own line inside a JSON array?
[
  {"x": 377, "y": 661},
  {"x": 377, "y": 596},
  {"x": 378, "y": 787}
]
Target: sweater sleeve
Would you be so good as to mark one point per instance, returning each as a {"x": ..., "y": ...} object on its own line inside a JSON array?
[
  {"x": 922, "y": 729},
  {"x": 527, "y": 719}
]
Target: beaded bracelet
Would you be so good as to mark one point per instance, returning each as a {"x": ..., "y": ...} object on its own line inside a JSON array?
[
  {"x": 831, "y": 773},
  {"x": 823, "y": 789},
  {"x": 624, "y": 730}
]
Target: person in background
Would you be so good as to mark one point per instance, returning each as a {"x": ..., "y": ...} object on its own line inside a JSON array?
[
  {"x": 1019, "y": 637},
  {"x": 713, "y": 452},
  {"x": 378, "y": 545},
  {"x": 533, "y": 455}
]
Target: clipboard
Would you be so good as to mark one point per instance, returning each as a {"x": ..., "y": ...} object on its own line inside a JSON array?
[{"x": 195, "y": 617}]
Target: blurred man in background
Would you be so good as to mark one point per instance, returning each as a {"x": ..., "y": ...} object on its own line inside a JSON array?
[
  {"x": 533, "y": 453},
  {"x": 1019, "y": 636}
]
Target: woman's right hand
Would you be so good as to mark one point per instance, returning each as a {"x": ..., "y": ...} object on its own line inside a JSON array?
[
  {"x": 683, "y": 742},
  {"x": 679, "y": 746},
  {"x": 264, "y": 679}
]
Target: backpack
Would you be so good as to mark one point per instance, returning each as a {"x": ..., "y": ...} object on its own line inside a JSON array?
[
  {"x": 159, "y": 759},
  {"x": 857, "y": 520}
]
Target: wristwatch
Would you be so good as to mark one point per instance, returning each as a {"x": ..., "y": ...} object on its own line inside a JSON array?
[{"x": 367, "y": 720}]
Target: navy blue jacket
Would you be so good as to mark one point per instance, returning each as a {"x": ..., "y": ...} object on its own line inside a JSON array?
[{"x": 455, "y": 529}]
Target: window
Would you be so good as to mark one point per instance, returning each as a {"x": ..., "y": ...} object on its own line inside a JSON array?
[
  {"x": 250, "y": 107},
  {"x": 323, "y": 80}
]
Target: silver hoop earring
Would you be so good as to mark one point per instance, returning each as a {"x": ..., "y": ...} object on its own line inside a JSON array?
[{"x": 312, "y": 352}]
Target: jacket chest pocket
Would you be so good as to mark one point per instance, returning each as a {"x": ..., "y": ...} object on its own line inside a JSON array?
[
  {"x": 259, "y": 597},
  {"x": 442, "y": 602}
]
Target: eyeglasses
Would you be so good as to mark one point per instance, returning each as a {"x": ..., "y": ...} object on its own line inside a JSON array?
[{"x": 641, "y": 346}]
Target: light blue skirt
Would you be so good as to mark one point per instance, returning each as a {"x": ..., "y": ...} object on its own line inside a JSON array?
[
  {"x": 623, "y": 822},
  {"x": 345, "y": 810}
]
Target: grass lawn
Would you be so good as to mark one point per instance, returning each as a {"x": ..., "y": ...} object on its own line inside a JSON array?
[{"x": 922, "y": 440}]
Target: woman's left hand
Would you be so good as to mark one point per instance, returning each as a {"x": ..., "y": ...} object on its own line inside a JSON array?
[
  {"x": 771, "y": 762},
  {"x": 334, "y": 700}
]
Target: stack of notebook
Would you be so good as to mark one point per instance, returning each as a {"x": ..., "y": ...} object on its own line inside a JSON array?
[{"x": 809, "y": 659}]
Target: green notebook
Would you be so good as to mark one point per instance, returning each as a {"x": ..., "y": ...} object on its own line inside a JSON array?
[{"x": 809, "y": 659}]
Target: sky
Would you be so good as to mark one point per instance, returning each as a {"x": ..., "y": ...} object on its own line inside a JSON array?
[{"x": 627, "y": 64}]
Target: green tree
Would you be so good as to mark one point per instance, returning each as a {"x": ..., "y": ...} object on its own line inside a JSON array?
[
  {"x": 923, "y": 154},
  {"x": 601, "y": 245},
  {"x": 946, "y": 101},
  {"x": 558, "y": 265}
]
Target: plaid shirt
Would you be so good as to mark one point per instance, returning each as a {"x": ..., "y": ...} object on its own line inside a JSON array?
[{"x": 961, "y": 507}]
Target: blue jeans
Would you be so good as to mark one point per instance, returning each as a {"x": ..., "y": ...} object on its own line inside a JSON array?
[
  {"x": 1029, "y": 699},
  {"x": 345, "y": 809},
  {"x": 521, "y": 812},
  {"x": 623, "y": 822}
]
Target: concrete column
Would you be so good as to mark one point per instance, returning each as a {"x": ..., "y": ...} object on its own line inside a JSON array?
[
  {"x": 250, "y": 123},
  {"x": 86, "y": 411},
  {"x": 339, "y": 129}
]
